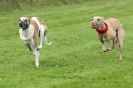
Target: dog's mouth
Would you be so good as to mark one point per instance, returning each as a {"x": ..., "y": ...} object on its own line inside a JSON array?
[{"x": 93, "y": 25}]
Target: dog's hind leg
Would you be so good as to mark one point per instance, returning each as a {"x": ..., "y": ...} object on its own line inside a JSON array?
[
  {"x": 120, "y": 43},
  {"x": 120, "y": 38},
  {"x": 46, "y": 40},
  {"x": 113, "y": 43},
  {"x": 43, "y": 36},
  {"x": 42, "y": 30}
]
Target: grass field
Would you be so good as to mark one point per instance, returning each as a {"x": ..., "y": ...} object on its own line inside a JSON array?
[{"x": 74, "y": 59}]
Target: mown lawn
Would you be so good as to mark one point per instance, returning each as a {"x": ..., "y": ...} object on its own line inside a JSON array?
[{"x": 74, "y": 59}]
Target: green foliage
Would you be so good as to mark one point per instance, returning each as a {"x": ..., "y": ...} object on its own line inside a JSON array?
[{"x": 24, "y": 4}]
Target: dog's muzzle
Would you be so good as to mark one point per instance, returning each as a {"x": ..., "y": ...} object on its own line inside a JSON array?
[
  {"x": 93, "y": 24},
  {"x": 24, "y": 24}
]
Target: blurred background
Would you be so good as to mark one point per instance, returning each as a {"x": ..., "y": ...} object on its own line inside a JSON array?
[{"x": 22, "y": 4}]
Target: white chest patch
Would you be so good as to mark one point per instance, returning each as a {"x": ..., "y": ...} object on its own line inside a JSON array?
[{"x": 26, "y": 34}]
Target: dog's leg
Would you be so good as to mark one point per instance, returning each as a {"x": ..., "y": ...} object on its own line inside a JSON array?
[
  {"x": 120, "y": 44},
  {"x": 42, "y": 30},
  {"x": 37, "y": 55},
  {"x": 110, "y": 44},
  {"x": 121, "y": 48},
  {"x": 46, "y": 40},
  {"x": 29, "y": 47},
  {"x": 43, "y": 36},
  {"x": 113, "y": 43},
  {"x": 103, "y": 45},
  {"x": 35, "y": 52}
]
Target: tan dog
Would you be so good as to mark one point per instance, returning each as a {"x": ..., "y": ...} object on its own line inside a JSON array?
[
  {"x": 33, "y": 32},
  {"x": 109, "y": 30}
]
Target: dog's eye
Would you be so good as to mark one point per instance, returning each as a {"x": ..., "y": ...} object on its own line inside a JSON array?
[{"x": 98, "y": 19}]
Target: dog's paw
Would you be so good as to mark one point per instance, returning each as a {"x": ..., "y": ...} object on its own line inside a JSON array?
[
  {"x": 49, "y": 43},
  {"x": 108, "y": 49},
  {"x": 101, "y": 51},
  {"x": 121, "y": 58},
  {"x": 105, "y": 50},
  {"x": 40, "y": 46}
]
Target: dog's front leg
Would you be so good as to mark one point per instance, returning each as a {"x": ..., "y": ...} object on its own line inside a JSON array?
[
  {"x": 37, "y": 55},
  {"x": 109, "y": 45},
  {"x": 113, "y": 43},
  {"x": 103, "y": 45},
  {"x": 35, "y": 52},
  {"x": 28, "y": 45}
]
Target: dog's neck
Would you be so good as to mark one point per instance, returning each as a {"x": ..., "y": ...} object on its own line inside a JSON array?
[
  {"x": 102, "y": 29},
  {"x": 101, "y": 26},
  {"x": 25, "y": 29}
]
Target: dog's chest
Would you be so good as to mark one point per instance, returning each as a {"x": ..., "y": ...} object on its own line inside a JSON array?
[
  {"x": 107, "y": 36},
  {"x": 26, "y": 33}
]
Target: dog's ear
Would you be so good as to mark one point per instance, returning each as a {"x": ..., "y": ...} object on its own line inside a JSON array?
[
  {"x": 102, "y": 18},
  {"x": 19, "y": 21},
  {"x": 27, "y": 20}
]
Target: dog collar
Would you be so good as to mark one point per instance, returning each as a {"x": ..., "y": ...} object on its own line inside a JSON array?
[{"x": 103, "y": 30}]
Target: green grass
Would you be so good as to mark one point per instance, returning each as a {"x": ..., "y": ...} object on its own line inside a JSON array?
[{"x": 74, "y": 59}]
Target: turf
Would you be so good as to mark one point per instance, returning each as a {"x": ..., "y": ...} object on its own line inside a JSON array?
[{"x": 74, "y": 59}]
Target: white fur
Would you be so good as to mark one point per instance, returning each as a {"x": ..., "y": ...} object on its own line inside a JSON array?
[
  {"x": 27, "y": 37},
  {"x": 42, "y": 31},
  {"x": 26, "y": 34}
]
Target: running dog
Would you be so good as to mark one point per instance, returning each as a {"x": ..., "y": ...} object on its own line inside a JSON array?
[
  {"x": 109, "y": 30},
  {"x": 33, "y": 32}
]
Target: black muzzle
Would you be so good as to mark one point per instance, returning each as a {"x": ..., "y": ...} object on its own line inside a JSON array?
[{"x": 24, "y": 24}]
